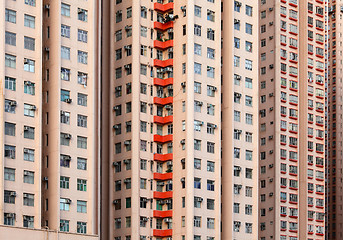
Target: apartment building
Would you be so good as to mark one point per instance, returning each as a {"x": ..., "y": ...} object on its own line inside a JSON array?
[
  {"x": 240, "y": 119},
  {"x": 291, "y": 197},
  {"x": 163, "y": 92},
  {"x": 49, "y": 106},
  {"x": 334, "y": 219}
]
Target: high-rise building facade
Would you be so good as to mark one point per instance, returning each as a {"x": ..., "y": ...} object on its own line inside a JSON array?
[
  {"x": 168, "y": 120},
  {"x": 49, "y": 107},
  {"x": 334, "y": 218},
  {"x": 291, "y": 131},
  {"x": 163, "y": 92},
  {"x": 240, "y": 120}
]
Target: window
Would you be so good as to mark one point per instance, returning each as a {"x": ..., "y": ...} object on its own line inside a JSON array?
[
  {"x": 9, "y": 174},
  {"x": 197, "y": 221},
  {"x": 197, "y": 49},
  {"x": 82, "y": 57},
  {"x": 236, "y": 61},
  {"x": 29, "y": 132},
  {"x": 29, "y": 65},
  {"x": 248, "y": 10},
  {"x": 81, "y": 227},
  {"x": 197, "y": 68},
  {"x": 9, "y": 129},
  {"x": 29, "y": 199},
  {"x": 65, "y": 117},
  {"x": 197, "y": 11},
  {"x": 9, "y": 197},
  {"x": 248, "y": 28},
  {"x": 82, "y": 35},
  {"x": 10, "y": 61},
  {"x": 81, "y": 163},
  {"x": 197, "y": 183},
  {"x": 144, "y": 31},
  {"x": 143, "y": 183},
  {"x": 82, "y": 185},
  {"x": 10, "y": 38},
  {"x": 210, "y": 34},
  {"x": 82, "y": 14},
  {"x": 210, "y": 72},
  {"x": 29, "y": 110},
  {"x": 81, "y": 121},
  {"x": 82, "y": 99},
  {"x": 29, "y": 154},
  {"x": 210, "y": 223},
  {"x": 64, "y": 204},
  {"x": 64, "y": 182},
  {"x": 81, "y": 142},
  {"x": 210, "y": 15},
  {"x": 10, "y": 151},
  {"x": 65, "y": 10},
  {"x": 29, "y": 21},
  {"x": 248, "y": 118},
  {"x": 197, "y": 30},
  {"x": 64, "y": 225},
  {"x": 81, "y": 206},
  {"x": 65, "y": 31},
  {"x": 10, "y": 16},
  {"x": 248, "y": 64},
  {"x": 29, "y": 87}
]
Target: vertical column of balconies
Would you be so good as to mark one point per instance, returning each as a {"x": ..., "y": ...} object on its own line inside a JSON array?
[{"x": 163, "y": 84}]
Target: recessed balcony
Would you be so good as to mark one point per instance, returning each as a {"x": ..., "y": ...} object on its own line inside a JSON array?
[{"x": 163, "y": 7}]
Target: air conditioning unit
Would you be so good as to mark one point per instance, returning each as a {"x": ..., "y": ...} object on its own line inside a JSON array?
[
  {"x": 127, "y": 180},
  {"x": 118, "y": 220},
  {"x": 68, "y": 200},
  {"x": 271, "y": 9},
  {"x": 170, "y": 30},
  {"x": 183, "y": 179},
  {"x": 271, "y": 109},
  {"x": 26, "y": 150},
  {"x": 271, "y": 165},
  {"x": 271, "y": 194},
  {"x": 127, "y": 142},
  {"x": 183, "y": 84},
  {"x": 169, "y": 69},
  {"x": 47, "y": 49},
  {"x": 169, "y": 238},
  {"x": 271, "y": 180},
  {"x": 238, "y": 77},
  {"x": 25, "y": 195},
  {"x": 160, "y": 183},
  {"x": 47, "y": 6},
  {"x": 68, "y": 158},
  {"x": 271, "y": 66},
  {"x": 26, "y": 128},
  {"x": 271, "y": 94},
  {"x": 271, "y": 209},
  {"x": 67, "y": 136},
  {"x": 270, "y": 137},
  {"x": 10, "y": 215},
  {"x": 183, "y": 141},
  {"x": 271, "y": 37},
  {"x": 68, "y": 100},
  {"x": 115, "y": 201},
  {"x": 169, "y": 163},
  {"x": 45, "y": 179},
  {"x": 201, "y": 123},
  {"x": 183, "y": 8},
  {"x": 115, "y": 164},
  {"x": 238, "y": 4},
  {"x": 33, "y": 107},
  {"x": 168, "y": 201},
  {"x": 127, "y": 66},
  {"x": 144, "y": 219},
  {"x": 127, "y": 47},
  {"x": 236, "y": 21},
  {"x": 13, "y": 103},
  {"x": 126, "y": 161},
  {"x": 271, "y": 152},
  {"x": 200, "y": 103},
  {"x": 168, "y": 107},
  {"x": 116, "y": 126},
  {"x": 215, "y": 126},
  {"x": 13, "y": 194},
  {"x": 271, "y": 23},
  {"x": 168, "y": 220}
]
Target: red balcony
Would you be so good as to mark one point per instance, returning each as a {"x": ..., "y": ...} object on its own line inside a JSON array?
[
  {"x": 163, "y": 101},
  {"x": 163, "y": 195},
  {"x": 163, "y": 26},
  {"x": 163, "y": 139},
  {"x": 162, "y": 233},
  {"x": 163, "y": 157},
  {"x": 163, "y": 82},
  {"x": 163, "y": 45},
  {"x": 163, "y": 176},
  {"x": 163, "y": 214},
  {"x": 163, "y": 63},
  {"x": 163, "y": 120},
  {"x": 164, "y": 7}
]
